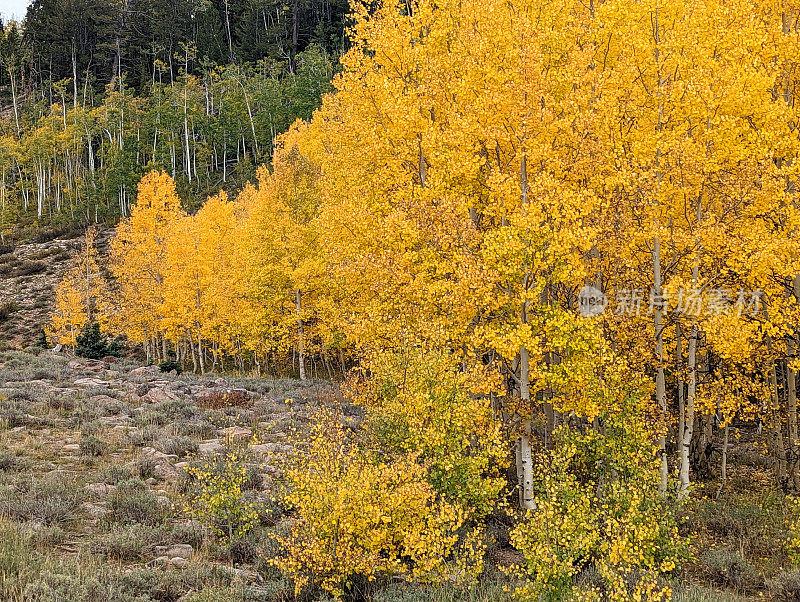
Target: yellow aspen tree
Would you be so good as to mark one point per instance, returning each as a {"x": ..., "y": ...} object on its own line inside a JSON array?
[
  {"x": 138, "y": 262},
  {"x": 82, "y": 296}
]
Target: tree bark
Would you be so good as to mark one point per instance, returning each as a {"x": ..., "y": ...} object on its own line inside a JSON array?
[
  {"x": 661, "y": 390},
  {"x": 301, "y": 351},
  {"x": 686, "y": 440},
  {"x": 723, "y": 468}
]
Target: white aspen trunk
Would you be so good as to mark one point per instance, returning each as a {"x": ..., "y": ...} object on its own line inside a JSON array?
[
  {"x": 301, "y": 352},
  {"x": 661, "y": 392},
  {"x": 74, "y": 80},
  {"x": 524, "y": 447},
  {"x": 190, "y": 344},
  {"x": 524, "y": 451},
  {"x": 691, "y": 393},
  {"x": 686, "y": 440},
  {"x": 679, "y": 371},
  {"x": 250, "y": 115},
  {"x": 14, "y": 98},
  {"x": 200, "y": 354}
]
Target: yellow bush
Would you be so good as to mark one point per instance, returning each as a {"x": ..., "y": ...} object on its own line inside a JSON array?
[
  {"x": 215, "y": 498},
  {"x": 420, "y": 401},
  {"x": 598, "y": 506},
  {"x": 360, "y": 518}
]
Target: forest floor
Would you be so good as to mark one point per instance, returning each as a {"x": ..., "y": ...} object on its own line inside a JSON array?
[{"x": 92, "y": 471}]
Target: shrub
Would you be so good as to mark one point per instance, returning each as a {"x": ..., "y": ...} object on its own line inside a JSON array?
[
  {"x": 215, "y": 495},
  {"x": 178, "y": 446},
  {"x": 52, "y": 501},
  {"x": 29, "y": 268},
  {"x": 792, "y": 544},
  {"x": 128, "y": 543},
  {"x": 6, "y": 309},
  {"x": 169, "y": 366},
  {"x": 785, "y": 586},
  {"x": 420, "y": 402},
  {"x": 93, "y": 344},
  {"x": 359, "y": 518},
  {"x": 729, "y": 568},
  {"x": 117, "y": 473},
  {"x": 218, "y": 399},
  {"x": 131, "y": 505},
  {"x": 597, "y": 505},
  {"x": 92, "y": 446}
]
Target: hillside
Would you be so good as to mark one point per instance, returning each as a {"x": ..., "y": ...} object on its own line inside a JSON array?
[{"x": 29, "y": 274}]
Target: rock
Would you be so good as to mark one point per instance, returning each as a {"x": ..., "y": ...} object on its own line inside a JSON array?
[
  {"x": 113, "y": 421},
  {"x": 165, "y": 472},
  {"x": 151, "y": 481},
  {"x": 181, "y": 465},
  {"x": 87, "y": 365},
  {"x": 235, "y": 433},
  {"x": 246, "y": 575},
  {"x": 160, "y": 395},
  {"x": 179, "y": 563},
  {"x": 100, "y": 488},
  {"x": 222, "y": 396},
  {"x": 178, "y": 550},
  {"x": 220, "y": 382},
  {"x": 264, "y": 449},
  {"x": 92, "y": 383},
  {"x": 209, "y": 447},
  {"x": 97, "y": 510},
  {"x": 158, "y": 456},
  {"x": 110, "y": 359},
  {"x": 71, "y": 447},
  {"x": 145, "y": 371},
  {"x": 104, "y": 399}
]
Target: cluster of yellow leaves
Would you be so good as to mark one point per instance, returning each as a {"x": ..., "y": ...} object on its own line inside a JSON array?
[
  {"x": 419, "y": 403},
  {"x": 82, "y": 296},
  {"x": 597, "y": 504},
  {"x": 360, "y": 517},
  {"x": 215, "y": 496}
]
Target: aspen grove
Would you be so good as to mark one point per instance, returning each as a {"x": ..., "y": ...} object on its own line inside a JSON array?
[{"x": 429, "y": 236}]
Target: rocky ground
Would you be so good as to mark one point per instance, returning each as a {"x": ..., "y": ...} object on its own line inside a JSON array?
[
  {"x": 93, "y": 458},
  {"x": 29, "y": 274}
]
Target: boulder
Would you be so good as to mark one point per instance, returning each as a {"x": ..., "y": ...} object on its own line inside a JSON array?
[
  {"x": 100, "y": 488},
  {"x": 160, "y": 395},
  {"x": 235, "y": 433},
  {"x": 91, "y": 382},
  {"x": 178, "y": 550},
  {"x": 210, "y": 447},
  {"x": 97, "y": 510}
]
